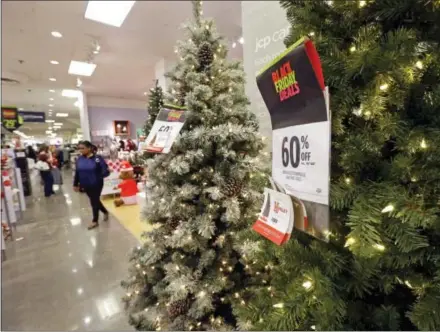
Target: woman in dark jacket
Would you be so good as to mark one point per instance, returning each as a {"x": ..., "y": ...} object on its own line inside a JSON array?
[
  {"x": 91, "y": 169},
  {"x": 30, "y": 153}
]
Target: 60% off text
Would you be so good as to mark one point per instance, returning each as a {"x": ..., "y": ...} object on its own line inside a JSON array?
[{"x": 295, "y": 152}]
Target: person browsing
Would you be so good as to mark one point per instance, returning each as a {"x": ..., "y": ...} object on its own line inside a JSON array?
[{"x": 91, "y": 169}]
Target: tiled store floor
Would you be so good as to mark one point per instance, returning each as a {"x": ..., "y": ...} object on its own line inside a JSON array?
[{"x": 60, "y": 276}]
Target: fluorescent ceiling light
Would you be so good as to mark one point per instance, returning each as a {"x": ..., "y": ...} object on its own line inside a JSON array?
[
  {"x": 19, "y": 133},
  {"x": 51, "y": 99},
  {"x": 51, "y": 90},
  {"x": 49, "y": 121},
  {"x": 57, "y": 124},
  {"x": 20, "y": 109},
  {"x": 56, "y": 34},
  {"x": 54, "y": 62},
  {"x": 50, "y": 105},
  {"x": 53, "y": 79},
  {"x": 81, "y": 68},
  {"x": 108, "y": 12},
  {"x": 76, "y": 103},
  {"x": 48, "y": 131},
  {"x": 70, "y": 93},
  {"x": 62, "y": 115},
  {"x": 241, "y": 40}
]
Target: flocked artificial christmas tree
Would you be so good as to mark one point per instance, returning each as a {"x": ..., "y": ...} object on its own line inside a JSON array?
[
  {"x": 203, "y": 192},
  {"x": 381, "y": 267}
]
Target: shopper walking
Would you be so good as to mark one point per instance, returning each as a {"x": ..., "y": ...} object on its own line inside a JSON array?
[
  {"x": 30, "y": 153},
  {"x": 91, "y": 169},
  {"x": 44, "y": 166}
]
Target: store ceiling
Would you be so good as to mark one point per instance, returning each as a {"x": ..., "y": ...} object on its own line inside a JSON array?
[{"x": 127, "y": 56}]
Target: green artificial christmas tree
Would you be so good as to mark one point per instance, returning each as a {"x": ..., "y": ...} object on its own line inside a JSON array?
[
  {"x": 203, "y": 192},
  {"x": 381, "y": 267},
  {"x": 155, "y": 104}
]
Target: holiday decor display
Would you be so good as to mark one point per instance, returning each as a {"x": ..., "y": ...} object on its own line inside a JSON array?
[
  {"x": 381, "y": 267},
  {"x": 128, "y": 186},
  {"x": 187, "y": 273}
]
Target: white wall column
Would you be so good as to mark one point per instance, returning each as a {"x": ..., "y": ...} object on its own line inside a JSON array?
[
  {"x": 160, "y": 69},
  {"x": 262, "y": 43},
  {"x": 84, "y": 115}
]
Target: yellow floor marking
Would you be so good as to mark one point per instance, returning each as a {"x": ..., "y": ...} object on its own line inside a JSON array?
[{"x": 130, "y": 217}]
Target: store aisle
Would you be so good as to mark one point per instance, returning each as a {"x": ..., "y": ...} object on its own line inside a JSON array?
[{"x": 60, "y": 276}]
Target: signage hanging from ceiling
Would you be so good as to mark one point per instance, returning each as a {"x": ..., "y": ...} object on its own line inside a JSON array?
[
  {"x": 32, "y": 116},
  {"x": 11, "y": 120}
]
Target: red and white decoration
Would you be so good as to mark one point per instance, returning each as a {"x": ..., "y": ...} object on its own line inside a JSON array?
[{"x": 114, "y": 165}]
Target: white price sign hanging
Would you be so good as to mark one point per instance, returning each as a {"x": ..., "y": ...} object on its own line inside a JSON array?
[
  {"x": 300, "y": 160},
  {"x": 165, "y": 129},
  {"x": 293, "y": 89}
]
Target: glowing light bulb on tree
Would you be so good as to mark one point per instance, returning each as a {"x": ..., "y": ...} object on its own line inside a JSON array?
[
  {"x": 349, "y": 242},
  {"x": 388, "y": 208},
  {"x": 384, "y": 87},
  {"x": 307, "y": 284}
]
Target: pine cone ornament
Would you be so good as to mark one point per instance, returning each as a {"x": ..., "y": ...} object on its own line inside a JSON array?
[
  {"x": 178, "y": 308},
  {"x": 174, "y": 223},
  {"x": 205, "y": 56},
  {"x": 232, "y": 187}
]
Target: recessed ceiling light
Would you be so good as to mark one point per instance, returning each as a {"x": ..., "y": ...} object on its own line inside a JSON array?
[
  {"x": 81, "y": 68},
  {"x": 50, "y": 98},
  {"x": 56, "y": 34},
  {"x": 62, "y": 115},
  {"x": 50, "y": 105},
  {"x": 108, "y": 12},
  {"x": 48, "y": 131},
  {"x": 51, "y": 90},
  {"x": 241, "y": 40},
  {"x": 49, "y": 121},
  {"x": 53, "y": 79},
  {"x": 57, "y": 124},
  {"x": 54, "y": 62},
  {"x": 145, "y": 93},
  {"x": 76, "y": 103},
  {"x": 234, "y": 44},
  {"x": 20, "y": 109},
  {"x": 70, "y": 93}
]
